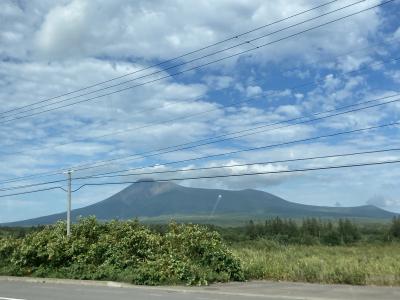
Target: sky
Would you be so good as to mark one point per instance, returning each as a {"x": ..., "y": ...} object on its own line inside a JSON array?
[{"x": 52, "y": 48}]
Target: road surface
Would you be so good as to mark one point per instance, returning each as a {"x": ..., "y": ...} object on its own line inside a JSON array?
[{"x": 21, "y": 289}]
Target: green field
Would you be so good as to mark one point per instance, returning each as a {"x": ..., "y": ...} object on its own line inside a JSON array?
[{"x": 377, "y": 264}]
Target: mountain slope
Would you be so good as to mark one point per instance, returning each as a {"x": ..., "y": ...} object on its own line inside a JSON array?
[{"x": 154, "y": 199}]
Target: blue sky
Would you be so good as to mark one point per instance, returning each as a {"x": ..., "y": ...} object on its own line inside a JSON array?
[{"x": 48, "y": 48}]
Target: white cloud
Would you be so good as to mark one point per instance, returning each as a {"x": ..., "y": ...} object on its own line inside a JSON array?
[
  {"x": 302, "y": 74},
  {"x": 52, "y": 47},
  {"x": 253, "y": 90},
  {"x": 219, "y": 82},
  {"x": 64, "y": 30},
  {"x": 331, "y": 82},
  {"x": 290, "y": 111},
  {"x": 384, "y": 201},
  {"x": 394, "y": 75},
  {"x": 241, "y": 182},
  {"x": 155, "y": 29},
  {"x": 397, "y": 33},
  {"x": 277, "y": 94},
  {"x": 299, "y": 96}
]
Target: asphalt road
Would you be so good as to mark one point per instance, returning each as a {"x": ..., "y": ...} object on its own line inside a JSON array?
[{"x": 18, "y": 289}]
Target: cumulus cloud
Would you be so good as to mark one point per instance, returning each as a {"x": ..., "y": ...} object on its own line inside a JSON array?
[
  {"x": 241, "y": 182},
  {"x": 397, "y": 33},
  {"x": 290, "y": 111},
  {"x": 219, "y": 82},
  {"x": 64, "y": 30},
  {"x": 394, "y": 75},
  {"x": 48, "y": 48},
  {"x": 155, "y": 29},
  {"x": 253, "y": 90},
  {"x": 384, "y": 201}
]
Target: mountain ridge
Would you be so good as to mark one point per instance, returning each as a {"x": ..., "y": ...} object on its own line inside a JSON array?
[{"x": 149, "y": 199}]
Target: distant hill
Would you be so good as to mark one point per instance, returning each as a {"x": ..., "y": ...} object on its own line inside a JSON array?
[{"x": 156, "y": 199}]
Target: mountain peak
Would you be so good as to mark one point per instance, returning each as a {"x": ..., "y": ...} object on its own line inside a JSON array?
[
  {"x": 145, "y": 180},
  {"x": 146, "y": 187},
  {"x": 150, "y": 198}
]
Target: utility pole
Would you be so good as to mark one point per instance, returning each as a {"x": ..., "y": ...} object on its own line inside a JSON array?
[{"x": 69, "y": 191}]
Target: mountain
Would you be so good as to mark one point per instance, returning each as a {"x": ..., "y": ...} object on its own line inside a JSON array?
[{"x": 150, "y": 199}]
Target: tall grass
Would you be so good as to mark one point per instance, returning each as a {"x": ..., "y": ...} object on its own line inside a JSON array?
[{"x": 377, "y": 264}]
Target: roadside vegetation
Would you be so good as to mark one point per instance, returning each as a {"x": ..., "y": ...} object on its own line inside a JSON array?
[
  {"x": 376, "y": 264},
  {"x": 311, "y": 250},
  {"x": 121, "y": 251},
  {"x": 308, "y": 250}
]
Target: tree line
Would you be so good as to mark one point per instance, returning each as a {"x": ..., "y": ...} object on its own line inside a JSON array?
[
  {"x": 306, "y": 231},
  {"x": 314, "y": 231}
]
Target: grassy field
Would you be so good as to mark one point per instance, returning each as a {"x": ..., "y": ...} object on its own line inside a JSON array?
[
  {"x": 309, "y": 250},
  {"x": 359, "y": 264}
]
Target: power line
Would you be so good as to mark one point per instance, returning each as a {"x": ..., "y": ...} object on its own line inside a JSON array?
[
  {"x": 46, "y": 174},
  {"x": 206, "y": 168},
  {"x": 250, "y": 149},
  {"x": 175, "y": 58},
  {"x": 32, "y": 185},
  {"x": 199, "y": 66},
  {"x": 151, "y": 81},
  {"x": 327, "y": 23},
  {"x": 151, "y": 124},
  {"x": 217, "y": 176},
  {"x": 35, "y": 191},
  {"x": 215, "y": 109},
  {"x": 146, "y": 154},
  {"x": 195, "y": 99},
  {"x": 241, "y": 131},
  {"x": 244, "y": 174},
  {"x": 265, "y": 147},
  {"x": 192, "y": 60},
  {"x": 243, "y": 165}
]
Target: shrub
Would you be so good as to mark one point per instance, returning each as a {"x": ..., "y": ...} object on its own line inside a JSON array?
[{"x": 126, "y": 251}]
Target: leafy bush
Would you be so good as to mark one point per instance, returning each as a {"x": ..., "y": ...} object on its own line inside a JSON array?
[{"x": 125, "y": 251}]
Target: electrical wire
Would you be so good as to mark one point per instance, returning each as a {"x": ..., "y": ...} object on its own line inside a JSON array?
[
  {"x": 243, "y": 174},
  {"x": 150, "y": 154},
  {"x": 35, "y": 191},
  {"x": 266, "y": 146},
  {"x": 195, "y": 59},
  {"x": 243, "y": 165},
  {"x": 30, "y": 176},
  {"x": 206, "y": 168},
  {"x": 215, "y": 176},
  {"x": 241, "y": 131},
  {"x": 199, "y": 66},
  {"x": 245, "y": 150},
  {"x": 175, "y": 58},
  {"x": 152, "y": 124}
]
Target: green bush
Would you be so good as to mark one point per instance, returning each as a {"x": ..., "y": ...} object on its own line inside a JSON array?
[{"x": 125, "y": 251}]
